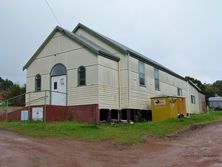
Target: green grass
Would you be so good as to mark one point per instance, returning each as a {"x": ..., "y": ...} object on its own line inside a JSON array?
[{"x": 118, "y": 133}]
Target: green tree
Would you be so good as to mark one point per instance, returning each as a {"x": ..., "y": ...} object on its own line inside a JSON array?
[
  {"x": 5, "y": 84},
  {"x": 196, "y": 81},
  {"x": 210, "y": 90},
  {"x": 14, "y": 91},
  {"x": 218, "y": 86},
  {"x": 1, "y": 80}
]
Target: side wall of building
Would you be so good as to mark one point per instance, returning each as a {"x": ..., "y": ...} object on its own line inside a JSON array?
[
  {"x": 193, "y": 106},
  {"x": 202, "y": 102},
  {"x": 109, "y": 84},
  {"x": 123, "y": 65},
  {"x": 140, "y": 95},
  {"x": 108, "y": 75},
  {"x": 134, "y": 96}
]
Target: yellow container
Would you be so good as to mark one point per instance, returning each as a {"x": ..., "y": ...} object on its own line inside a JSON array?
[{"x": 167, "y": 107}]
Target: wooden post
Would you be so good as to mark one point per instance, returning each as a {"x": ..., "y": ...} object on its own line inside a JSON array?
[
  {"x": 120, "y": 115},
  {"x": 109, "y": 115},
  {"x": 29, "y": 103},
  {"x": 6, "y": 111},
  {"x": 45, "y": 107},
  {"x": 128, "y": 115}
]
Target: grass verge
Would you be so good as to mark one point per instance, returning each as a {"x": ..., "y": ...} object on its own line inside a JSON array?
[{"x": 118, "y": 133}]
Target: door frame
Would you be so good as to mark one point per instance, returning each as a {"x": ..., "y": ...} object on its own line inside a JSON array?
[{"x": 57, "y": 76}]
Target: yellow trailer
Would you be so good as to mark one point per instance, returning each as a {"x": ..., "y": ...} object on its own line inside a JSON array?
[{"x": 166, "y": 107}]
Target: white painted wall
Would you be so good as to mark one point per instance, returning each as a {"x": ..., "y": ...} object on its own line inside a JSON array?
[
  {"x": 132, "y": 95},
  {"x": 123, "y": 66},
  {"x": 139, "y": 95},
  {"x": 61, "y": 49},
  {"x": 110, "y": 84},
  {"x": 193, "y": 108}
]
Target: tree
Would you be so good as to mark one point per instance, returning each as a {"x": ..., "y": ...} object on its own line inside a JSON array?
[
  {"x": 5, "y": 84},
  {"x": 14, "y": 91},
  {"x": 210, "y": 90},
  {"x": 196, "y": 82},
  {"x": 1, "y": 80},
  {"x": 218, "y": 86},
  {"x": 11, "y": 90}
]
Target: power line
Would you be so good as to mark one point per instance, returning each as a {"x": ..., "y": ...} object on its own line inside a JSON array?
[{"x": 53, "y": 14}]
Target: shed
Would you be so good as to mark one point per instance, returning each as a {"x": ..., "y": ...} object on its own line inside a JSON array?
[
  {"x": 166, "y": 107},
  {"x": 215, "y": 102}
]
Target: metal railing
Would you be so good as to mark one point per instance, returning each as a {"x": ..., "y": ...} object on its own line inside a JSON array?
[{"x": 29, "y": 100}]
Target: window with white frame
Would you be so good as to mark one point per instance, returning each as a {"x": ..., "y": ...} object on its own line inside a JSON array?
[
  {"x": 179, "y": 92},
  {"x": 141, "y": 73},
  {"x": 81, "y": 76},
  {"x": 192, "y": 99},
  {"x": 38, "y": 82},
  {"x": 156, "y": 79}
]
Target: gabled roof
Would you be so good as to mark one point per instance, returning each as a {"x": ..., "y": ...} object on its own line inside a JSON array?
[
  {"x": 79, "y": 39},
  {"x": 218, "y": 98},
  {"x": 124, "y": 49},
  {"x": 194, "y": 86}
]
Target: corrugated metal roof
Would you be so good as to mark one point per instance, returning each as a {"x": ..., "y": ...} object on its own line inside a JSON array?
[
  {"x": 125, "y": 49},
  {"x": 215, "y": 99}
]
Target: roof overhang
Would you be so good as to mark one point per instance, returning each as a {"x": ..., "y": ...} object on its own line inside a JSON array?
[
  {"x": 73, "y": 37},
  {"x": 124, "y": 50}
]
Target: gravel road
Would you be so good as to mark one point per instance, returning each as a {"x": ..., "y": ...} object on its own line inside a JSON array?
[{"x": 200, "y": 147}]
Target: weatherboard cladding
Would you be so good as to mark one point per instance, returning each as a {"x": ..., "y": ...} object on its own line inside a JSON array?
[
  {"x": 126, "y": 50},
  {"x": 98, "y": 50},
  {"x": 82, "y": 41}
]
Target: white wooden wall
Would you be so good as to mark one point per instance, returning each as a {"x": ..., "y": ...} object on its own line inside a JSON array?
[
  {"x": 72, "y": 55},
  {"x": 113, "y": 85}
]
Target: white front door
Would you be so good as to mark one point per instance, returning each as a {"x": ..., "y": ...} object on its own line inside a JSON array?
[{"x": 58, "y": 87}]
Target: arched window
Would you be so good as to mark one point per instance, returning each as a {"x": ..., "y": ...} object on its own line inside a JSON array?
[
  {"x": 81, "y": 76},
  {"x": 58, "y": 69},
  {"x": 38, "y": 82}
]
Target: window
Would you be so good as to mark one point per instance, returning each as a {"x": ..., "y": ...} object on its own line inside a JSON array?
[
  {"x": 192, "y": 99},
  {"x": 38, "y": 82},
  {"x": 179, "y": 92},
  {"x": 58, "y": 70},
  {"x": 81, "y": 76},
  {"x": 156, "y": 79},
  {"x": 55, "y": 86},
  {"x": 142, "y": 74}
]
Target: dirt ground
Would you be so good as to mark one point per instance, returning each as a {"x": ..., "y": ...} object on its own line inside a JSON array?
[{"x": 200, "y": 147}]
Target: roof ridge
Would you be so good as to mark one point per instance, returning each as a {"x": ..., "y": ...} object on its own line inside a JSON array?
[{"x": 125, "y": 49}]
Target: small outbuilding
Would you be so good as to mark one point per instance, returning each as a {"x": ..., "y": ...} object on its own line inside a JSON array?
[
  {"x": 166, "y": 107},
  {"x": 215, "y": 102}
]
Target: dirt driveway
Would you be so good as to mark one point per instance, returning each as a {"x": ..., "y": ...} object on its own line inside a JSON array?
[{"x": 202, "y": 147}]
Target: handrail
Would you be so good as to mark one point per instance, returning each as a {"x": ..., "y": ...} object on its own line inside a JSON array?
[
  {"x": 29, "y": 101},
  {"x": 37, "y": 99},
  {"x": 46, "y": 91},
  {"x": 12, "y": 98}
]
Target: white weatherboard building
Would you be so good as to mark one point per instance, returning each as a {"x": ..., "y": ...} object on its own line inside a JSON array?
[{"x": 83, "y": 68}]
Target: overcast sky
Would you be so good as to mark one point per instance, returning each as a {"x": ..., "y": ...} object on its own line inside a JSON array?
[{"x": 183, "y": 35}]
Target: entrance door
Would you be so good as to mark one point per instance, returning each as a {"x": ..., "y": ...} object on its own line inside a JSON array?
[{"x": 58, "y": 88}]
